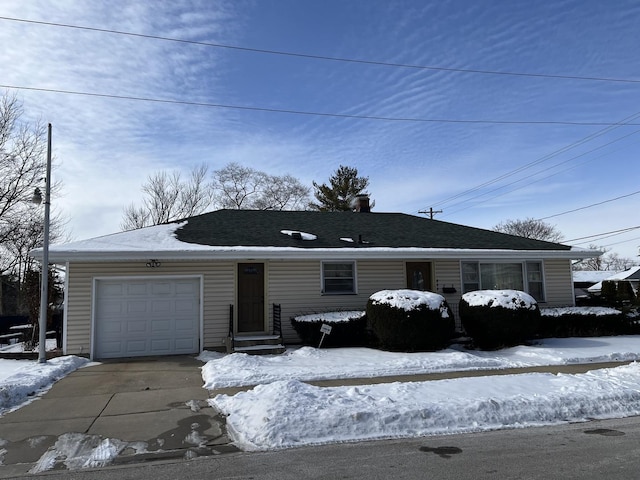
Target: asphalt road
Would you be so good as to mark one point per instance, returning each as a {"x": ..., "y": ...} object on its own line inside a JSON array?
[{"x": 595, "y": 450}]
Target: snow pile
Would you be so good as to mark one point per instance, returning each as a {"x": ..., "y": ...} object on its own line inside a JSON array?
[
  {"x": 76, "y": 450},
  {"x": 595, "y": 311},
  {"x": 308, "y": 363},
  {"x": 20, "y": 380},
  {"x": 331, "y": 317},
  {"x": 408, "y": 299},
  {"x": 301, "y": 235},
  {"x": 290, "y": 413},
  {"x": 511, "y": 299}
]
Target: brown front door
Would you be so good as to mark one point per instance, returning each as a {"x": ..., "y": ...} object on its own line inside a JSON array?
[
  {"x": 250, "y": 297},
  {"x": 419, "y": 276}
]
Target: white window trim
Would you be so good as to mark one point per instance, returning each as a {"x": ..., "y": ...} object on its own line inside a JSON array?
[
  {"x": 525, "y": 279},
  {"x": 355, "y": 277}
]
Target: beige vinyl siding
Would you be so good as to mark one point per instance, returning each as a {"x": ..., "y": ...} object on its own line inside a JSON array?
[
  {"x": 296, "y": 286},
  {"x": 218, "y": 288},
  {"x": 558, "y": 283}
]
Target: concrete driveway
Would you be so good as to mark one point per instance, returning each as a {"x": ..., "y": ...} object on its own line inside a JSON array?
[{"x": 146, "y": 409}]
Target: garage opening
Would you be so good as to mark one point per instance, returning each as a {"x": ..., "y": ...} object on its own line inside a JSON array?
[{"x": 143, "y": 317}]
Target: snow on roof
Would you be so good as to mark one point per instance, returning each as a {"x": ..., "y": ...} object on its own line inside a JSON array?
[
  {"x": 301, "y": 235},
  {"x": 591, "y": 276},
  {"x": 500, "y": 298},
  {"x": 616, "y": 276},
  {"x": 160, "y": 241},
  {"x": 408, "y": 299}
]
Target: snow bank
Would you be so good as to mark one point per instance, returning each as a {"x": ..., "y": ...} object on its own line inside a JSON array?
[
  {"x": 34, "y": 378},
  {"x": 308, "y": 363},
  {"x": 408, "y": 299},
  {"x": 500, "y": 298},
  {"x": 291, "y": 414}
]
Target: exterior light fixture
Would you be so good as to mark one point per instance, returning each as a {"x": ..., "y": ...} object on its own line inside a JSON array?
[{"x": 153, "y": 263}]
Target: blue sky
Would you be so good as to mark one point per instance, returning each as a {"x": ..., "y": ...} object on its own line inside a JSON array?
[{"x": 106, "y": 147}]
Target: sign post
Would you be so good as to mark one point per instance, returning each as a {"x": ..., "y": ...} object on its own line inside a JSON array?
[{"x": 326, "y": 330}]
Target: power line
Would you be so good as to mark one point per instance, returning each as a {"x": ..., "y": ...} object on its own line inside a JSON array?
[
  {"x": 531, "y": 182},
  {"x": 617, "y": 232},
  {"x": 543, "y": 159},
  {"x": 326, "y": 57},
  {"x": 592, "y": 205},
  {"x": 309, "y": 113}
]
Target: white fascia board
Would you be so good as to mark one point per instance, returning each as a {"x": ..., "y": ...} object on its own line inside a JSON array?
[{"x": 266, "y": 253}]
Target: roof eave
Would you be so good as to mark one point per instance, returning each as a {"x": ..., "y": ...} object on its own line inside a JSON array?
[{"x": 262, "y": 253}]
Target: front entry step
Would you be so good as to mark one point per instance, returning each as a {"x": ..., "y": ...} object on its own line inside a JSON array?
[{"x": 256, "y": 344}]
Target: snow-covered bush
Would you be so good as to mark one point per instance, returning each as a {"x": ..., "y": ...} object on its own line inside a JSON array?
[
  {"x": 410, "y": 320},
  {"x": 584, "y": 322},
  {"x": 499, "y": 318},
  {"x": 348, "y": 328}
]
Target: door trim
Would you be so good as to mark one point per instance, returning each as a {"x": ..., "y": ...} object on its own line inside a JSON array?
[{"x": 265, "y": 302}]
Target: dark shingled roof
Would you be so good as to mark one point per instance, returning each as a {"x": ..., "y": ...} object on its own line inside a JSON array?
[{"x": 261, "y": 228}]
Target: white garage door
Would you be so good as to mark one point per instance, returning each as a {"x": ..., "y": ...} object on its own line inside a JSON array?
[{"x": 139, "y": 317}]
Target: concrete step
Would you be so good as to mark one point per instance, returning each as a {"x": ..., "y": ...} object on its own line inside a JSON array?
[
  {"x": 267, "y": 349},
  {"x": 258, "y": 344}
]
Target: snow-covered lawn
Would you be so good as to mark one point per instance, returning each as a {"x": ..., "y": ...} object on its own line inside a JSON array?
[
  {"x": 23, "y": 380},
  {"x": 309, "y": 363},
  {"x": 283, "y": 412}
]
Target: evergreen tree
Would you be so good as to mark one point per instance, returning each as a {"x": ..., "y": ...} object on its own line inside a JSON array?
[{"x": 339, "y": 195}]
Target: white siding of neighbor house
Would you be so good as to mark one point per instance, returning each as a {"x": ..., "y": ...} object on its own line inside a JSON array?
[
  {"x": 295, "y": 285},
  {"x": 218, "y": 293}
]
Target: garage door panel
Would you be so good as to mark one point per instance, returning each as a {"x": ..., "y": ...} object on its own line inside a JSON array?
[
  {"x": 138, "y": 326},
  {"x": 160, "y": 326},
  {"x": 136, "y": 347},
  {"x": 136, "y": 288},
  {"x": 185, "y": 344},
  {"x": 147, "y": 317},
  {"x": 165, "y": 288}
]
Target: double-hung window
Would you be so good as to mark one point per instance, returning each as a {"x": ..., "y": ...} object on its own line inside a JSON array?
[
  {"x": 524, "y": 276},
  {"x": 338, "y": 278}
]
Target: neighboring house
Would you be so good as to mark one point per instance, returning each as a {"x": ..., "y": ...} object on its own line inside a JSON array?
[
  {"x": 632, "y": 275},
  {"x": 178, "y": 288},
  {"x": 583, "y": 279}
]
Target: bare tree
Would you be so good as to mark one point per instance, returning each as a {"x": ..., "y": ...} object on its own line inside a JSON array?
[
  {"x": 23, "y": 147},
  {"x": 167, "y": 197},
  {"x": 530, "y": 228},
  {"x": 283, "y": 193},
  {"x": 238, "y": 187},
  {"x": 22, "y": 163},
  {"x": 607, "y": 261}
]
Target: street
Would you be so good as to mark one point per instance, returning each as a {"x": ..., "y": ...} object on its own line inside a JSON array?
[{"x": 600, "y": 449}]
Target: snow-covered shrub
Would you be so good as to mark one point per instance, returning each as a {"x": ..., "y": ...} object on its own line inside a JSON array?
[
  {"x": 584, "y": 322},
  {"x": 348, "y": 328},
  {"x": 410, "y": 320},
  {"x": 499, "y": 318}
]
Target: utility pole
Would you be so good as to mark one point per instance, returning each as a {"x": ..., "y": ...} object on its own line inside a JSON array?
[{"x": 431, "y": 212}]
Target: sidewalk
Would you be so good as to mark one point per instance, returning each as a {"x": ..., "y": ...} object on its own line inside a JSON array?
[{"x": 157, "y": 407}]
